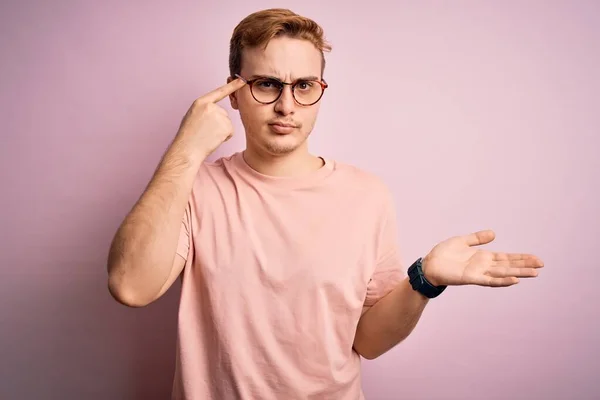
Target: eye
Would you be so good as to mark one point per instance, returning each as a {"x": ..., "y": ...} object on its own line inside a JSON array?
[
  {"x": 305, "y": 85},
  {"x": 268, "y": 84}
]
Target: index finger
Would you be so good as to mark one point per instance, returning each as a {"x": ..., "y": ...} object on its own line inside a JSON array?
[{"x": 222, "y": 92}]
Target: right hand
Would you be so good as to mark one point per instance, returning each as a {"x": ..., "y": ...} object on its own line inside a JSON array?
[{"x": 206, "y": 125}]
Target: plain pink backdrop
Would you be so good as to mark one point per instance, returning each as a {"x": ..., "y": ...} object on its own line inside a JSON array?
[{"x": 479, "y": 114}]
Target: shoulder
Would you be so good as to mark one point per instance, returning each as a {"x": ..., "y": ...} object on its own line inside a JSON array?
[
  {"x": 219, "y": 163},
  {"x": 363, "y": 180},
  {"x": 216, "y": 168},
  {"x": 212, "y": 177},
  {"x": 367, "y": 193}
]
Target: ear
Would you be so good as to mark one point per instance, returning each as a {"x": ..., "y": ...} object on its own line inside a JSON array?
[{"x": 232, "y": 97}]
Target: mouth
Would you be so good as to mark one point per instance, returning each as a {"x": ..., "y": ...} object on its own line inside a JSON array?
[
  {"x": 282, "y": 128},
  {"x": 283, "y": 124}
]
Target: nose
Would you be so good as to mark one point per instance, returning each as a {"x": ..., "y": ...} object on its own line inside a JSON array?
[{"x": 285, "y": 104}]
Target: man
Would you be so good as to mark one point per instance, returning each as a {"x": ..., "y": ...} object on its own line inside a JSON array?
[{"x": 289, "y": 263}]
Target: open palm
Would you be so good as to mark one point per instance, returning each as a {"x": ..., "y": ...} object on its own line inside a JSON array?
[{"x": 456, "y": 261}]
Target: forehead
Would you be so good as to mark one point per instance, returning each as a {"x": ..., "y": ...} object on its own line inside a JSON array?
[{"x": 283, "y": 58}]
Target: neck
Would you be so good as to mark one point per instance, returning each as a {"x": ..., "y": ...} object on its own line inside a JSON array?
[{"x": 296, "y": 163}]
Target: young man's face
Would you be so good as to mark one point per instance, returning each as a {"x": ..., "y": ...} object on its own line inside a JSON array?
[{"x": 287, "y": 60}]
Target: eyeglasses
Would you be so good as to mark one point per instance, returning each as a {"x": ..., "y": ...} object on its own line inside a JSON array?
[{"x": 267, "y": 90}]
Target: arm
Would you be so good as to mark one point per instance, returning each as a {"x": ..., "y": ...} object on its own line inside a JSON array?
[
  {"x": 455, "y": 262},
  {"x": 142, "y": 261},
  {"x": 389, "y": 321}
]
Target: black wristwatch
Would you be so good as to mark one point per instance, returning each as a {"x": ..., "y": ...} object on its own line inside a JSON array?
[{"x": 420, "y": 284}]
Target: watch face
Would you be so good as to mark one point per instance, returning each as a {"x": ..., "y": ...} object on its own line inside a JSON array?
[
  {"x": 415, "y": 269},
  {"x": 413, "y": 274}
]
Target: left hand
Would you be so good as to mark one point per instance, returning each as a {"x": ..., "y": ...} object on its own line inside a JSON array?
[{"x": 455, "y": 262}]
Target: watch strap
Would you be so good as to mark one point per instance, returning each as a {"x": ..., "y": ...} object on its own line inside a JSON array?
[{"x": 420, "y": 283}]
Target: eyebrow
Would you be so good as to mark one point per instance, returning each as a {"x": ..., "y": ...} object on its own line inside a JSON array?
[{"x": 304, "y": 78}]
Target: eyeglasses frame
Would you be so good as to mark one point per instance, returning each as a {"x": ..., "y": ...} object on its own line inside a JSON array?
[{"x": 250, "y": 82}]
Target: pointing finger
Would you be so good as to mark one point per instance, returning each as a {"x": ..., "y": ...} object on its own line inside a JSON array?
[{"x": 222, "y": 92}]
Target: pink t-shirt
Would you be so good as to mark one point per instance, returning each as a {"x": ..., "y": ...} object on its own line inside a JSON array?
[{"x": 277, "y": 273}]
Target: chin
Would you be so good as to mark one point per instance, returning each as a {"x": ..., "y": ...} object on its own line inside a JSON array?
[
  {"x": 281, "y": 144},
  {"x": 279, "y": 148}
]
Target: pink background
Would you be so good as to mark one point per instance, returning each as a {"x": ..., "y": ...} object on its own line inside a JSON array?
[{"x": 478, "y": 114}]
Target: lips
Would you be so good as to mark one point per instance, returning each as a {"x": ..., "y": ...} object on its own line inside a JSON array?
[
  {"x": 283, "y": 124},
  {"x": 282, "y": 128}
]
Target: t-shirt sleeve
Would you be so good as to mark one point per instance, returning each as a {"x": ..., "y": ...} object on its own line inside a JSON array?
[
  {"x": 183, "y": 246},
  {"x": 389, "y": 269}
]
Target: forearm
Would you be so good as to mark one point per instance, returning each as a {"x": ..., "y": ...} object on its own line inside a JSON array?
[
  {"x": 389, "y": 321},
  {"x": 143, "y": 249}
]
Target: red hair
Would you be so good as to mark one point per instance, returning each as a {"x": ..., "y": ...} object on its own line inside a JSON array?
[{"x": 258, "y": 28}]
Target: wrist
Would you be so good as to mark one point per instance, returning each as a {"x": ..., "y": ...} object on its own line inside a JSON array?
[
  {"x": 188, "y": 150},
  {"x": 427, "y": 274},
  {"x": 421, "y": 283}
]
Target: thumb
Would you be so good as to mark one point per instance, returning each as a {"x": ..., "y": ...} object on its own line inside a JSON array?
[{"x": 480, "y": 237}]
